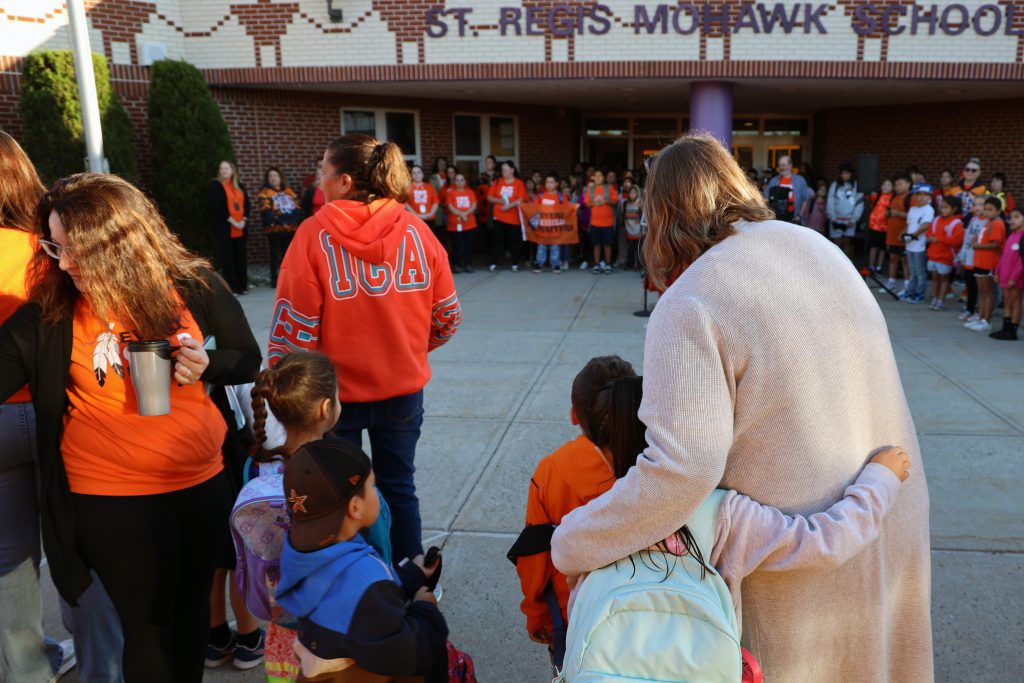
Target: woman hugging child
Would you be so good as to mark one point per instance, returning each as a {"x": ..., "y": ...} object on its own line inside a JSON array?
[{"x": 620, "y": 612}]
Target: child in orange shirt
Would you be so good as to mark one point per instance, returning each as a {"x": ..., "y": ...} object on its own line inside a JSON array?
[
  {"x": 987, "y": 248},
  {"x": 602, "y": 199},
  {"x": 576, "y": 473},
  {"x": 896, "y": 225},
  {"x": 550, "y": 196},
  {"x": 423, "y": 199},
  {"x": 878, "y": 226},
  {"x": 460, "y": 203},
  {"x": 944, "y": 238}
]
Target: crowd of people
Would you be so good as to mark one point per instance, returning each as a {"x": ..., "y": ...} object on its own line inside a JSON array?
[{"x": 250, "y": 484}]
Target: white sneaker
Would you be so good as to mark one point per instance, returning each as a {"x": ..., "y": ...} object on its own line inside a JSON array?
[
  {"x": 981, "y": 326},
  {"x": 584, "y": 265},
  {"x": 68, "y": 659},
  {"x": 515, "y": 269},
  {"x": 964, "y": 315},
  {"x": 888, "y": 284},
  {"x": 492, "y": 267}
]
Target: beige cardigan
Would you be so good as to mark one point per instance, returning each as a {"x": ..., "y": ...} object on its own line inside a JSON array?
[{"x": 768, "y": 369}]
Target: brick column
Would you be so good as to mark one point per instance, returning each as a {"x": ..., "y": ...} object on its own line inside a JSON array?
[{"x": 711, "y": 109}]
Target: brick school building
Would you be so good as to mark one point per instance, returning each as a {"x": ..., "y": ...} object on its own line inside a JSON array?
[{"x": 548, "y": 84}]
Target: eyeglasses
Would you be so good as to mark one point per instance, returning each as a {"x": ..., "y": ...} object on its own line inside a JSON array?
[
  {"x": 972, "y": 170},
  {"x": 55, "y": 251}
]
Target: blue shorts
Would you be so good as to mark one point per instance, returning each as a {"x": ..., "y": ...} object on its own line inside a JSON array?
[
  {"x": 602, "y": 237},
  {"x": 940, "y": 268}
]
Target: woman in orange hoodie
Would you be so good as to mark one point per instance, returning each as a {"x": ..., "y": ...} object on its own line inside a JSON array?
[{"x": 367, "y": 284}]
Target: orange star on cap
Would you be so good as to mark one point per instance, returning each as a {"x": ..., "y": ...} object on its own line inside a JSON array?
[{"x": 298, "y": 502}]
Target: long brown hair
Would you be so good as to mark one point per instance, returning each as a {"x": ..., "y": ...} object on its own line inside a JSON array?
[
  {"x": 378, "y": 169},
  {"x": 293, "y": 389},
  {"x": 234, "y": 174},
  {"x": 130, "y": 262},
  {"x": 20, "y": 187},
  {"x": 591, "y": 395},
  {"x": 695, "y": 192}
]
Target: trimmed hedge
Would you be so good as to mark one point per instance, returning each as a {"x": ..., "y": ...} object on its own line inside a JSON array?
[
  {"x": 189, "y": 140},
  {"x": 52, "y": 117}
]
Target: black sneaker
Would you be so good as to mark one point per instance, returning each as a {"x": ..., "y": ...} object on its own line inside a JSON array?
[
  {"x": 248, "y": 657},
  {"x": 218, "y": 656}
]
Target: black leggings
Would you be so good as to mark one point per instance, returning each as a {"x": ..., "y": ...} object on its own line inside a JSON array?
[
  {"x": 972, "y": 291},
  {"x": 511, "y": 233},
  {"x": 156, "y": 556}
]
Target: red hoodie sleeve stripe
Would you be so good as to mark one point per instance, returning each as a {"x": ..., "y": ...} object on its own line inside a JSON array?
[{"x": 447, "y": 316}]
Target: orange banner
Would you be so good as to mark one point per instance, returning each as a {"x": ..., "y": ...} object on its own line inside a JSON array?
[{"x": 555, "y": 224}]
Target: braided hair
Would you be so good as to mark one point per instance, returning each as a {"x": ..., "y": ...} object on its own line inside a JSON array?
[{"x": 292, "y": 389}]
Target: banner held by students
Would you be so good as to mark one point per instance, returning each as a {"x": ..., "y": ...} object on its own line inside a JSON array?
[{"x": 554, "y": 224}]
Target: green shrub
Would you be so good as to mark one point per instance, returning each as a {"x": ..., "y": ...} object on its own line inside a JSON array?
[
  {"x": 189, "y": 139},
  {"x": 52, "y": 117}
]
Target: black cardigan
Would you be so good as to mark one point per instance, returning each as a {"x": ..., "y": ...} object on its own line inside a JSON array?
[
  {"x": 39, "y": 354},
  {"x": 219, "y": 213}
]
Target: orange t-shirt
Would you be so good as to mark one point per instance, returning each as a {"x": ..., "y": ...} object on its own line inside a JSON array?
[
  {"x": 570, "y": 477},
  {"x": 948, "y": 234},
  {"x": 602, "y": 216},
  {"x": 993, "y": 233},
  {"x": 16, "y": 249},
  {"x": 236, "y": 205},
  {"x": 422, "y": 198},
  {"x": 111, "y": 450},
  {"x": 897, "y": 225},
  {"x": 461, "y": 200},
  {"x": 549, "y": 199},
  {"x": 511, "y": 192}
]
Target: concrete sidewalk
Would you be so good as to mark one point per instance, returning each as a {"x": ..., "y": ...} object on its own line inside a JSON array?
[{"x": 499, "y": 402}]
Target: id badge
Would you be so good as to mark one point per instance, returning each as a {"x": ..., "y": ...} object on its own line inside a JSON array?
[
  {"x": 423, "y": 208},
  {"x": 458, "y": 227}
]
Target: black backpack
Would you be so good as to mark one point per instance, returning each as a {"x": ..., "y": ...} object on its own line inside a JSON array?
[{"x": 778, "y": 201}]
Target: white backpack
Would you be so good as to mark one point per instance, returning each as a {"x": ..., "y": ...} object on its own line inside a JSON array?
[{"x": 631, "y": 622}]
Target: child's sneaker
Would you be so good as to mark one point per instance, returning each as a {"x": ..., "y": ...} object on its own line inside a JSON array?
[
  {"x": 903, "y": 295},
  {"x": 584, "y": 265},
  {"x": 597, "y": 268},
  {"x": 537, "y": 268},
  {"x": 217, "y": 655},
  {"x": 889, "y": 284},
  {"x": 515, "y": 269},
  {"x": 981, "y": 326},
  {"x": 916, "y": 299},
  {"x": 964, "y": 315},
  {"x": 492, "y": 267},
  {"x": 557, "y": 270},
  {"x": 606, "y": 269},
  {"x": 940, "y": 305},
  {"x": 249, "y": 657}
]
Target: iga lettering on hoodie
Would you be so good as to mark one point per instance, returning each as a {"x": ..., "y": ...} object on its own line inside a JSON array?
[{"x": 369, "y": 286}]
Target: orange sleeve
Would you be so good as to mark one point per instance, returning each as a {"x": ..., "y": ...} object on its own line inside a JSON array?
[
  {"x": 521, "y": 191},
  {"x": 535, "y": 571}
]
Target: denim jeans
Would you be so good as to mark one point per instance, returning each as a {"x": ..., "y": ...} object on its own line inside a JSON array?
[
  {"x": 25, "y": 654},
  {"x": 555, "y": 250},
  {"x": 394, "y": 428},
  {"x": 918, "y": 281}
]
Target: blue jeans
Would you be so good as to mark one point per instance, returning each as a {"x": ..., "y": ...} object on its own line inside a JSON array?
[
  {"x": 25, "y": 654},
  {"x": 394, "y": 427},
  {"x": 556, "y": 255},
  {"x": 918, "y": 281}
]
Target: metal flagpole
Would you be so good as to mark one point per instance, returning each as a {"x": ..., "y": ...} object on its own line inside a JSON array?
[{"x": 79, "y": 28}]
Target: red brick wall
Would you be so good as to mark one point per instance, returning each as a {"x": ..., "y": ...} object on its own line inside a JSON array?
[{"x": 931, "y": 137}]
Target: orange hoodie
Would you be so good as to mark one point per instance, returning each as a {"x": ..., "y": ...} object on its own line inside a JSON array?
[
  {"x": 369, "y": 286},
  {"x": 570, "y": 477}
]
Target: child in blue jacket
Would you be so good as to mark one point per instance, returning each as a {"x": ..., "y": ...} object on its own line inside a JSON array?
[{"x": 353, "y": 610}]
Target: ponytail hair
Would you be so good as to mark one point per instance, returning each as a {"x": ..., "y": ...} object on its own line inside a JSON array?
[
  {"x": 378, "y": 169},
  {"x": 591, "y": 395},
  {"x": 292, "y": 389}
]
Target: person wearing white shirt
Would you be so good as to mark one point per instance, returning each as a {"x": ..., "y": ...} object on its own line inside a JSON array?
[{"x": 919, "y": 218}]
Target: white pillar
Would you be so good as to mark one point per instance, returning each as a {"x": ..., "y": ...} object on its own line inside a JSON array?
[{"x": 79, "y": 28}]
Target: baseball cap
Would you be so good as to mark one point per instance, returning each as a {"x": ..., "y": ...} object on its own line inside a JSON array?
[
  {"x": 921, "y": 187},
  {"x": 319, "y": 480}
]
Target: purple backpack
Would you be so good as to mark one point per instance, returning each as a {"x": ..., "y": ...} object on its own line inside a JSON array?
[{"x": 259, "y": 521}]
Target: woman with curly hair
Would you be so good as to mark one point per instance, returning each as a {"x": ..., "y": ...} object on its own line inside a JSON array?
[{"x": 141, "y": 500}]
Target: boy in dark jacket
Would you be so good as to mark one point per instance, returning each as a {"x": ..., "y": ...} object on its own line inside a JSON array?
[{"x": 353, "y": 611}]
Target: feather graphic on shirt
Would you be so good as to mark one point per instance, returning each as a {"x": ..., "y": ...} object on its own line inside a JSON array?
[{"x": 106, "y": 353}]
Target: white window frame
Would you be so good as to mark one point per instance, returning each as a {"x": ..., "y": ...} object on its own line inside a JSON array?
[
  {"x": 485, "y": 141},
  {"x": 380, "y": 124}
]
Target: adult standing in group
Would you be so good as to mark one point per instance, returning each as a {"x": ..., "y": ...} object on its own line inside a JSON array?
[
  {"x": 439, "y": 179},
  {"x": 506, "y": 194},
  {"x": 229, "y": 217},
  {"x": 313, "y": 196},
  {"x": 25, "y": 654},
  {"x": 968, "y": 187},
  {"x": 749, "y": 396},
  {"x": 142, "y": 500},
  {"x": 788, "y": 193},
  {"x": 279, "y": 211},
  {"x": 843, "y": 207},
  {"x": 368, "y": 285}
]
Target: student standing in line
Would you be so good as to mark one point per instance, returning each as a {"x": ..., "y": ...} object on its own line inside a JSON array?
[
  {"x": 945, "y": 182},
  {"x": 988, "y": 247},
  {"x": 896, "y": 225},
  {"x": 919, "y": 219},
  {"x": 505, "y": 196},
  {"x": 878, "y": 226},
  {"x": 997, "y": 188},
  {"x": 1010, "y": 272},
  {"x": 965, "y": 258},
  {"x": 944, "y": 238},
  {"x": 551, "y": 196},
  {"x": 844, "y": 208},
  {"x": 602, "y": 198},
  {"x": 632, "y": 222},
  {"x": 439, "y": 179},
  {"x": 461, "y": 210},
  {"x": 423, "y": 199}
]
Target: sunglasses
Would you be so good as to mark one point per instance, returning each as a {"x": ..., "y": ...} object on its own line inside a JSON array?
[
  {"x": 972, "y": 170},
  {"x": 55, "y": 251}
]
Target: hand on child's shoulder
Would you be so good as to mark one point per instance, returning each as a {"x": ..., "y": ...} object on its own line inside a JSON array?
[{"x": 896, "y": 459}]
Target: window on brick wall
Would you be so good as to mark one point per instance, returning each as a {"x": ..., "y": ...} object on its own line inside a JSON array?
[
  {"x": 479, "y": 135},
  {"x": 399, "y": 127}
]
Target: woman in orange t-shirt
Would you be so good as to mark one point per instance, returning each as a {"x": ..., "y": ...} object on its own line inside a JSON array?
[
  {"x": 423, "y": 200},
  {"x": 506, "y": 194},
  {"x": 461, "y": 209},
  {"x": 229, "y": 217},
  {"x": 141, "y": 500}
]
